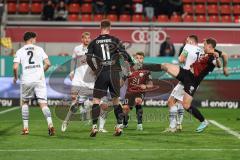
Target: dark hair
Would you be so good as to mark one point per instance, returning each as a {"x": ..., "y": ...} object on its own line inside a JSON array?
[
  {"x": 211, "y": 41},
  {"x": 105, "y": 24},
  {"x": 194, "y": 37},
  {"x": 29, "y": 35},
  {"x": 140, "y": 54}
]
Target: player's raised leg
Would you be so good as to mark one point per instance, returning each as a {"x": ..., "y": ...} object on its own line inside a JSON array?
[{"x": 187, "y": 100}]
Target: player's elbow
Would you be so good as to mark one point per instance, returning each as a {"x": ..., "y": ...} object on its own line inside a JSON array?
[{"x": 181, "y": 59}]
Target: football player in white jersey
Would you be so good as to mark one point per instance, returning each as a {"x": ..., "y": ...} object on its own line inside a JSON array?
[
  {"x": 31, "y": 57},
  {"x": 191, "y": 52},
  {"x": 82, "y": 83}
]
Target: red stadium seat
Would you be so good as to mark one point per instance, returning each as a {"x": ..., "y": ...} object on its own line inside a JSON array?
[
  {"x": 226, "y": 9},
  {"x": 73, "y": 17},
  {"x": 12, "y": 8},
  {"x": 112, "y": 17},
  {"x": 226, "y": 1},
  {"x": 214, "y": 18},
  {"x": 86, "y": 17},
  {"x": 86, "y": 8},
  {"x": 175, "y": 18},
  {"x": 162, "y": 18},
  {"x": 74, "y": 8},
  {"x": 137, "y": 1},
  {"x": 236, "y": 9},
  {"x": 188, "y": 8},
  {"x": 187, "y": 1},
  {"x": 137, "y": 18},
  {"x": 124, "y": 18},
  {"x": 89, "y": 1},
  {"x": 27, "y": 1},
  {"x": 39, "y": 1},
  {"x": 200, "y": 1},
  {"x": 200, "y": 9},
  {"x": 201, "y": 18},
  {"x": 212, "y": 9},
  {"x": 213, "y": 1},
  {"x": 226, "y": 19},
  {"x": 23, "y": 8},
  {"x": 236, "y": 1},
  {"x": 237, "y": 19},
  {"x": 188, "y": 18},
  {"x": 36, "y": 8},
  {"x": 97, "y": 17}
]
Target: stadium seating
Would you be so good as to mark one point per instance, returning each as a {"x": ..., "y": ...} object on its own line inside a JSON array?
[
  {"x": 212, "y": 9},
  {"x": 209, "y": 10},
  {"x": 201, "y": 18},
  {"x": 73, "y": 17},
  {"x": 137, "y": 18},
  {"x": 200, "y": 9},
  {"x": 226, "y": 19},
  {"x": 11, "y": 7},
  {"x": 74, "y": 8},
  {"x": 36, "y": 8},
  {"x": 23, "y": 8},
  {"x": 162, "y": 18},
  {"x": 112, "y": 17},
  {"x": 225, "y": 9},
  {"x": 86, "y": 18},
  {"x": 97, "y": 17},
  {"x": 124, "y": 18},
  {"x": 86, "y": 8},
  {"x": 214, "y": 18},
  {"x": 175, "y": 18},
  {"x": 188, "y": 18},
  {"x": 236, "y": 9}
]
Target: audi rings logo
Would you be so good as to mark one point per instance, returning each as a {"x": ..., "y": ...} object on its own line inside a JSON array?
[{"x": 145, "y": 36}]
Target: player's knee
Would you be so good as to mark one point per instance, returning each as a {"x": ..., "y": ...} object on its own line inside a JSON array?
[
  {"x": 96, "y": 101},
  {"x": 126, "y": 109},
  {"x": 138, "y": 101},
  {"x": 104, "y": 106},
  {"x": 186, "y": 105},
  {"x": 170, "y": 102}
]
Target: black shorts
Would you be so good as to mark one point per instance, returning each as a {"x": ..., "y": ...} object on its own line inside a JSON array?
[
  {"x": 107, "y": 80},
  {"x": 130, "y": 98},
  {"x": 188, "y": 80}
]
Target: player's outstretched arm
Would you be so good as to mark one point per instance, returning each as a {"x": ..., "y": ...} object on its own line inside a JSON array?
[
  {"x": 225, "y": 62},
  {"x": 47, "y": 64},
  {"x": 15, "y": 72}
]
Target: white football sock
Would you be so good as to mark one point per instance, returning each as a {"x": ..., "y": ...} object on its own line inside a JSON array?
[
  {"x": 25, "y": 115},
  {"x": 173, "y": 117},
  {"x": 180, "y": 112},
  {"x": 102, "y": 119},
  {"x": 47, "y": 113}
]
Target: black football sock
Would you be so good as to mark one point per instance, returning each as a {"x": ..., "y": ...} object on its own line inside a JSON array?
[
  {"x": 139, "y": 112},
  {"x": 118, "y": 113},
  {"x": 95, "y": 113},
  {"x": 196, "y": 113},
  {"x": 125, "y": 119}
]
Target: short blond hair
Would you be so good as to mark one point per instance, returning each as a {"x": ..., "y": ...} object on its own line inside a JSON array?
[{"x": 84, "y": 34}]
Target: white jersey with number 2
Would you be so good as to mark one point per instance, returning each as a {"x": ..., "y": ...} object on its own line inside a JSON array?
[{"x": 31, "y": 58}]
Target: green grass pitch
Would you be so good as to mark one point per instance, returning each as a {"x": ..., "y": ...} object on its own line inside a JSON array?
[{"x": 75, "y": 143}]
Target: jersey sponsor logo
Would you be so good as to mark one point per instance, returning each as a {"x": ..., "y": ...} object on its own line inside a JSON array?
[
  {"x": 144, "y": 36},
  {"x": 33, "y": 66}
]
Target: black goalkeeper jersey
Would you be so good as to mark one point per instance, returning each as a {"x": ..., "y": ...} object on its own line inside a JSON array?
[{"x": 107, "y": 51}]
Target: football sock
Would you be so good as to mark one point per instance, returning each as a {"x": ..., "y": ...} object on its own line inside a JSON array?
[
  {"x": 125, "y": 119},
  {"x": 102, "y": 118},
  {"x": 180, "y": 112},
  {"x": 139, "y": 112},
  {"x": 173, "y": 116},
  {"x": 47, "y": 113},
  {"x": 95, "y": 113},
  {"x": 25, "y": 115},
  {"x": 73, "y": 109},
  {"x": 118, "y": 113},
  {"x": 196, "y": 113}
]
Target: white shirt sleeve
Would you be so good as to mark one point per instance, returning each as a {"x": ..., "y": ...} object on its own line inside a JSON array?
[
  {"x": 74, "y": 52},
  {"x": 17, "y": 58},
  {"x": 44, "y": 55}
]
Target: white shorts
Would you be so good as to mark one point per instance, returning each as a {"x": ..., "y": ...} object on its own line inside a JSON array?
[
  {"x": 178, "y": 92},
  {"x": 35, "y": 90}
]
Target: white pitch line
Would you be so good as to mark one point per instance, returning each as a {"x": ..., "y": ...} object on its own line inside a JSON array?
[
  {"x": 109, "y": 149},
  {"x": 228, "y": 130},
  {"x": 9, "y": 110}
]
